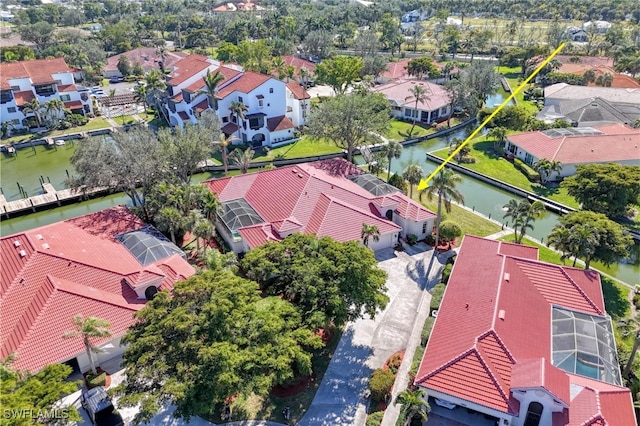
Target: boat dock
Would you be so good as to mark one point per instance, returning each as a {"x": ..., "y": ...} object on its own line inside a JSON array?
[{"x": 50, "y": 197}]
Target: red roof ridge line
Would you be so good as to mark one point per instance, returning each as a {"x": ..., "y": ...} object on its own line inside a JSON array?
[
  {"x": 492, "y": 376},
  {"x": 499, "y": 288},
  {"x": 555, "y": 154},
  {"x": 88, "y": 265},
  {"x": 75, "y": 288},
  {"x": 587, "y": 298},
  {"x": 354, "y": 208},
  {"x": 493, "y": 333}
]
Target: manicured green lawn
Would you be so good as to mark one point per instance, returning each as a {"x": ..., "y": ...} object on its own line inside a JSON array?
[
  {"x": 125, "y": 119},
  {"x": 490, "y": 164},
  {"x": 470, "y": 222},
  {"x": 399, "y": 131},
  {"x": 513, "y": 78},
  {"x": 305, "y": 147}
]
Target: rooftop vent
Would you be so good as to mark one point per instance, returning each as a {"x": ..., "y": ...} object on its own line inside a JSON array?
[
  {"x": 45, "y": 246},
  {"x": 16, "y": 243},
  {"x": 501, "y": 314},
  {"x": 23, "y": 253},
  {"x": 507, "y": 276},
  {"x": 39, "y": 236}
]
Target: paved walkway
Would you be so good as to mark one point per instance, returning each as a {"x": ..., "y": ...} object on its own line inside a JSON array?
[{"x": 366, "y": 343}]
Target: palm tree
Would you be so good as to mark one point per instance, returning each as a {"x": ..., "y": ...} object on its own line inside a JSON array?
[
  {"x": 140, "y": 96},
  {"x": 414, "y": 405},
  {"x": 156, "y": 87},
  {"x": 369, "y": 231},
  {"x": 88, "y": 328},
  {"x": 444, "y": 186},
  {"x": 170, "y": 219},
  {"x": 209, "y": 204},
  {"x": 391, "y": 150},
  {"x": 522, "y": 215},
  {"x": 242, "y": 158},
  {"x": 412, "y": 174},
  {"x": 211, "y": 82},
  {"x": 33, "y": 107},
  {"x": 419, "y": 93},
  {"x": 560, "y": 239},
  {"x": 53, "y": 108},
  {"x": 279, "y": 67},
  {"x": 239, "y": 110},
  {"x": 499, "y": 135},
  {"x": 304, "y": 77},
  {"x": 628, "y": 326},
  {"x": 546, "y": 168},
  {"x": 205, "y": 230},
  {"x": 584, "y": 239},
  {"x": 223, "y": 142}
]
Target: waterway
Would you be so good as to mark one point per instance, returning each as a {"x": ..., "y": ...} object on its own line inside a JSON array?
[{"x": 53, "y": 165}]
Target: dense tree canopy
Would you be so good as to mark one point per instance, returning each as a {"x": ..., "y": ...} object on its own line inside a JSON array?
[
  {"x": 215, "y": 337},
  {"x": 339, "y": 72},
  {"x": 329, "y": 281},
  {"x": 350, "y": 120},
  {"x": 605, "y": 188},
  {"x": 39, "y": 392}
]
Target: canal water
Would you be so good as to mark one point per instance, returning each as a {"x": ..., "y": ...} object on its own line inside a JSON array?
[{"x": 53, "y": 165}]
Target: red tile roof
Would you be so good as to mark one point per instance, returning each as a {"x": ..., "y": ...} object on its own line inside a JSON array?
[
  {"x": 299, "y": 63},
  {"x": 229, "y": 128},
  {"x": 70, "y": 267},
  {"x": 23, "y": 97},
  {"x": 73, "y": 105},
  {"x": 67, "y": 88},
  {"x": 183, "y": 115},
  {"x": 281, "y": 122},
  {"x": 618, "y": 142},
  {"x": 318, "y": 195},
  {"x": 203, "y": 105},
  {"x": 399, "y": 93},
  {"x": 297, "y": 90},
  {"x": 40, "y": 71},
  {"x": 493, "y": 334},
  {"x": 148, "y": 57},
  {"x": 244, "y": 84},
  {"x": 187, "y": 67},
  {"x": 226, "y": 72},
  {"x": 397, "y": 70}
]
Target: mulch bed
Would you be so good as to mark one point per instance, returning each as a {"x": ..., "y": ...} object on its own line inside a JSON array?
[{"x": 294, "y": 389}]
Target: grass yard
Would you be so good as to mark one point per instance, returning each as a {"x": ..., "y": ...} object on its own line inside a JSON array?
[
  {"x": 305, "y": 147},
  {"x": 399, "y": 131},
  {"x": 514, "y": 79},
  {"x": 93, "y": 124},
  {"x": 269, "y": 407},
  {"x": 498, "y": 167},
  {"x": 125, "y": 119}
]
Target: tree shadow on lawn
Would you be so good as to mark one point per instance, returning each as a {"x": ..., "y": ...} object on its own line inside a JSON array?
[
  {"x": 545, "y": 191},
  {"x": 615, "y": 301},
  {"x": 486, "y": 148}
]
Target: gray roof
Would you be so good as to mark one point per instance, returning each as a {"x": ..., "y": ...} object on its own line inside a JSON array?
[
  {"x": 613, "y": 95},
  {"x": 594, "y": 111},
  {"x": 373, "y": 184}
]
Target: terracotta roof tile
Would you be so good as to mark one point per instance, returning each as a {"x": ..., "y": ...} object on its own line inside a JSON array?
[
  {"x": 23, "y": 97},
  {"x": 281, "y": 122},
  {"x": 244, "y": 84},
  {"x": 40, "y": 71},
  {"x": 229, "y": 128},
  {"x": 188, "y": 67},
  {"x": 539, "y": 373},
  {"x": 297, "y": 90},
  {"x": 148, "y": 57},
  {"x": 299, "y": 63},
  {"x": 398, "y": 92},
  {"x": 73, "y": 105},
  {"x": 70, "y": 267}
]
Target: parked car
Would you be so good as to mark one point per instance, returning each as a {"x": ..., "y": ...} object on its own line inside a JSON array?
[
  {"x": 116, "y": 79},
  {"x": 100, "y": 407}
]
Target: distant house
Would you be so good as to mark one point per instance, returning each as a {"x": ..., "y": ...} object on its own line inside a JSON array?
[
  {"x": 274, "y": 108},
  {"x": 520, "y": 342},
  {"x": 600, "y": 26},
  {"x": 415, "y": 16},
  {"x": 436, "y": 108},
  {"x": 590, "y": 105},
  {"x": 237, "y": 7},
  {"x": 299, "y": 63},
  {"x": 105, "y": 264},
  {"x": 41, "y": 79},
  {"x": 576, "y": 34},
  {"x": 397, "y": 70},
  {"x": 600, "y": 66},
  {"x": 574, "y": 146},
  {"x": 149, "y": 59},
  {"x": 331, "y": 198}
]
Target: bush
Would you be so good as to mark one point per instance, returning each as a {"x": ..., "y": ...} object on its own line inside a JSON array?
[
  {"x": 394, "y": 363},
  {"x": 450, "y": 230},
  {"x": 436, "y": 296},
  {"x": 529, "y": 173},
  {"x": 636, "y": 300},
  {"x": 426, "y": 330},
  {"x": 94, "y": 381},
  {"x": 399, "y": 182},
  {"x": 380, "y": 384},
  {"x": 412, "y": 239},
  {"x": 375, "y": 419},
  {"x": 430, "y": 239},
  {"x": 446, "y": 273}
]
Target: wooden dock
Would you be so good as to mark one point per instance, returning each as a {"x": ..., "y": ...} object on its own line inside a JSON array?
[{"x": 49, "y": 198}]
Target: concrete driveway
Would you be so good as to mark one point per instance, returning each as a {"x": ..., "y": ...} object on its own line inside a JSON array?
[{"x": 366, "y": 344}]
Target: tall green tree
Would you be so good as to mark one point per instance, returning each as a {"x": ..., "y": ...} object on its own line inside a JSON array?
[
  {"x": 23, "y": 392},
  {"x": 89, "y": 328},
  {"x": 413, "y": 174},
  {"x": 350, "y": 121},
  {"x": 610, "y": 243},
  {"x": 339, "y": 72},
  {"x": 330, "y": 282},
  {"x": 546, "y": 168},
  {"x": 213, "y": 337},
  {"x": 33, "y": 107},
  {"x": 393, "y": 149},
  {"x": 131, "y": 162},
  {"x": 156, "y": 87},
  {"x": 419, "y": 94},
  {"x": 605, "y": 188},
  {"x": 212, "y": 81},
  {"x": 140, "y": 95},
  {"x": 239, "y": 110},
  {"x": 631, "y": 325},
  {"x": 170, "y": 219},
  {"x": 522, "y": 215},
  {"x": 443, "y": 185},
  {"x": 499, "y": 135},
  {"x": 185, "y": 149},
  {"x": 242, "y": 158},
  {"x": 414, "y": 406},
  {"x": 422, "y": 68}
]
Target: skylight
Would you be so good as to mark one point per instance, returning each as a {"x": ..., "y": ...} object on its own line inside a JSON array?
[
  {"x": 572, "y": 131},
  {"x": 236, "y": 214},
  {"x": 374, "y": 185},
  {"x": 148, "y": 245},
  {"x": 584, "y": 344}
]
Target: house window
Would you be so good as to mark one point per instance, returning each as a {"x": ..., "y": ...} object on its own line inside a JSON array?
[
  {"x": 225, "y": 119},
  {"x": 240, "y": 99},
  {"x": 424, "y": 228},
  {"x": 15, "y": 88},
  {"x": 261, "y": 103},
  {"x": 5, "y": 96},
  {"x": 271, "y": 90},
  {"x": 528, "y": 158},
  {"x": 11, "y": 109},
  {"x": 65, "y": 98},
  {"x": 534, "y": 413}
]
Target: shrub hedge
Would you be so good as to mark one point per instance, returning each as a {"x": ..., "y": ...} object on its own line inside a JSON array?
[{"x": 526, "y": 170}]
